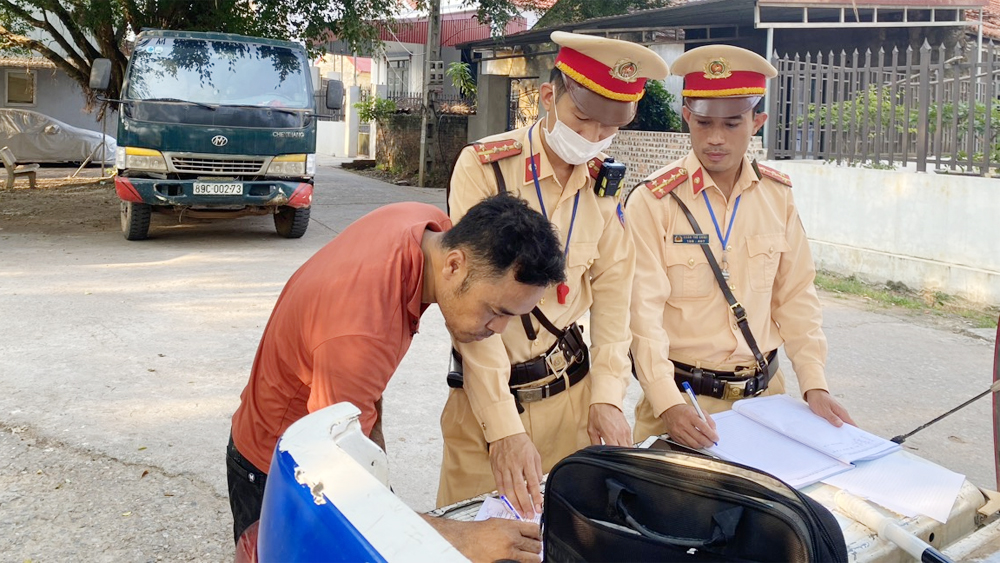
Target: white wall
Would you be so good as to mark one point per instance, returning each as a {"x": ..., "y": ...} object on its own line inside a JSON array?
[
  {"x": 415, "y": 53},
  {"x": 930, "y": 231},
  {"x": 59, "y": 96},
  {"x": 330, "y": 138},
  {"x": 395, "y": 50},
  {"x": 674, "y": 84}
]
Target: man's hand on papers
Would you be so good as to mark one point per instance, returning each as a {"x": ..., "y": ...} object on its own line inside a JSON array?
[
  {"x": 824, "y": 405},
  {"x": 608, "y": 422},
  {"x": 517, "y": 469},
  {"x": 492, "y": 540},
  {"x": 685, "y": 426}
]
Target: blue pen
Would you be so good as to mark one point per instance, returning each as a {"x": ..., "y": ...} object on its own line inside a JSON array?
[
  {"x": 694, "y": 401},
  {"x": 510, "y": 507}
]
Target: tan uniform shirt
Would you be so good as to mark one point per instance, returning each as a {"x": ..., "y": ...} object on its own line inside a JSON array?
[
  {"x": 679, "y": 311},
  {"x": 600, "y": 266}
]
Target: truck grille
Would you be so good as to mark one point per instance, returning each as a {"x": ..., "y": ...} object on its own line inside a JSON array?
[{"x": 208, "y": 165}]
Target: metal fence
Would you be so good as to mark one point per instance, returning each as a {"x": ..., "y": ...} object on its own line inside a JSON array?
[
  {"x": 931, "y": 106},
  {"x": 411, "y": 102},
  {"x": 322, "y": 111},
  {"x": 522, "y": 107}
]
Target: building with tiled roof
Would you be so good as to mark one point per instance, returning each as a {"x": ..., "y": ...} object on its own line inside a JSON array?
[
  {"x": 991, "y": 19},
  {"x": 25, "y": 62}
]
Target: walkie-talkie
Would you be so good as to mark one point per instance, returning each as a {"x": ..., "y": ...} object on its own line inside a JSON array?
[{"x": 609, "y": 179}]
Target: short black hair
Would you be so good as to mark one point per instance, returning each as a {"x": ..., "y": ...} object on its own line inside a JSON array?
[
  {"x": 558, "y": 82},
  {"x": 501, "y": 233}
]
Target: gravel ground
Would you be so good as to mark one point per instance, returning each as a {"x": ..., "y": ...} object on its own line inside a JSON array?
[
  {"x": 64, "y": 500},
  {"x": 64, "y": 503}
]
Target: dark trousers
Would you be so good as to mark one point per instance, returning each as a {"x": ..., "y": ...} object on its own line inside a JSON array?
[{"x": 246, "y": 490}]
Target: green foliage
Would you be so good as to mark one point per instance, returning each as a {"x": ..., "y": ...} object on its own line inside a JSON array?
[
  {"x": 896, "y": 295},
  {"x": 572, "y": 11},
  {"x": 655, "y": 112},
  {"x": 375, "y": 109},
  {"x": 461, "y": 78},
  {"x": 878, "y": 112},
  {"x": 864, "y": 110},
  {"x": 75, "y": 32},
  {"x": 496, "y": 13}
]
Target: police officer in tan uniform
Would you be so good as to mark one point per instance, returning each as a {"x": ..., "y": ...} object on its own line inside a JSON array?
[
  {"x": 535, "y": 393},
  {"x": 685, "y": 328}
]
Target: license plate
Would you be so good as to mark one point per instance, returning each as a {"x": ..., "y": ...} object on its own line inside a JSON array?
[{"x": 213, "y": 188}]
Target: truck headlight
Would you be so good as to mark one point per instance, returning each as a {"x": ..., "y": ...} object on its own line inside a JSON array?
[
  {"x": 136, "y": 158},
  {"x": 290, "y": 165}
]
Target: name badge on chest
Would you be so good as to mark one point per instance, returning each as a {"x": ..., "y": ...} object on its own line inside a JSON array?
[{"x": 691, "y": 239}]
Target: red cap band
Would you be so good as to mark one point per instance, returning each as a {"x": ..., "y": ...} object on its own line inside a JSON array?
[
  {"x": 598, "y": 77},
  {"x": 738, "y": 83}
]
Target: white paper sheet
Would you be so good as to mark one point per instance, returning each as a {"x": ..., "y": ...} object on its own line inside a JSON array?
[
  {"x": 905, "y": 484},
  {"x": 794, "y": 419},
  {"x": 744, "y": 441},
  {"x": 495, "y": 508}
]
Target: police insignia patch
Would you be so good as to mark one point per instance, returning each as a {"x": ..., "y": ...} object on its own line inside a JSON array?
[
  {"x": 625, "y": 70},
  {"x": 717, "y": 68},
  {"x": 662, "y": 184},
  {"x": 775, "y": 175},
  {"x": 594, "y": 166},
  {"x": 496, "y": 150}
]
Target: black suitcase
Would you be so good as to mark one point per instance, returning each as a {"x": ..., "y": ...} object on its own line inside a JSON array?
[{"x": 607, "y": 503}]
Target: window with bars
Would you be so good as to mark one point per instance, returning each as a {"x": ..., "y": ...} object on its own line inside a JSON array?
[{"x": 398, "y": 75}]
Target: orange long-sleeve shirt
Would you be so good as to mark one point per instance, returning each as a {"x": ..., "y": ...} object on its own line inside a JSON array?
[{"x": 340, "y": 327}]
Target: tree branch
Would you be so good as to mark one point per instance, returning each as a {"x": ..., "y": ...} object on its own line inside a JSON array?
[
  {"x": 74, "y": 30},
  {"x": 44, "y": 24},
  {"x": 61, "y": 63}
]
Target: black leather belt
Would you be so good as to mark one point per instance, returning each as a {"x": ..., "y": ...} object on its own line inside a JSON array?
[
  {"x": 539, "y": 368},
  {"x": 568, "y": 356},
  {"x": 728, "y": 385}
]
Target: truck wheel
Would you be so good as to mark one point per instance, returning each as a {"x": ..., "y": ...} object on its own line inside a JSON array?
[
  {"x": 291, "y": 222},
  {"x": 135, "y": 220}
]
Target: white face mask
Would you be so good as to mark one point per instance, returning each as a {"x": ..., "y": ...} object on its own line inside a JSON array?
[{"x": 570, "y": 146}]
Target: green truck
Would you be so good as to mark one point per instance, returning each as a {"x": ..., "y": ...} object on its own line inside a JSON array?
[{"x": 215, "y": 125}]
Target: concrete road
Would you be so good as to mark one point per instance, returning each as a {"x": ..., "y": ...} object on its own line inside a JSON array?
[{"x": 133, "y": 355}]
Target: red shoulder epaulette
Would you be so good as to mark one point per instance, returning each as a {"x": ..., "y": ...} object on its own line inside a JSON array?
[
  {"x": 493, "y": 151},
  {"x": 594, "y": 166},
  {"x": 775, "y": 175},
  {"x": 662, "y": 184}
]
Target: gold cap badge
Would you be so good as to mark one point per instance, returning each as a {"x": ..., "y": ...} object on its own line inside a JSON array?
[
  {"x": 718, "y": 68},
  {"x": 625, "y": 70}
]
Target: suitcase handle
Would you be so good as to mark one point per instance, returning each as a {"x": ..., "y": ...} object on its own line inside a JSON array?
[{"x": 723, "y": 523}]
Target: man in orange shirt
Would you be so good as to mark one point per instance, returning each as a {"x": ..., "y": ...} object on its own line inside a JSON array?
[{"x": 345, "y": 319}]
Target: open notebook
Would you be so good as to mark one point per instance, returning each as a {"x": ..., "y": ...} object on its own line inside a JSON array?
[{"x": 780, "y": 435}]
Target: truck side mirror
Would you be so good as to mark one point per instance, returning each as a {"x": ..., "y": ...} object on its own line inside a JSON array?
[
  {"x": 100, "y": 74},
  {"x": 334, "y": 95}
]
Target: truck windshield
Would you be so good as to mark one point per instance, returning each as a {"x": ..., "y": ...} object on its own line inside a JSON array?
[{"x": 216, "y": 72}]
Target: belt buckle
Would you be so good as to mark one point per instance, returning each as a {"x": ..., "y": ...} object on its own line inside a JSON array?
[
  {"x": 556, "y": 362},
  {"x": 532, "y": 395},
  {"x": 745, "y": 373},
  {"x": 735, "y": 390}
]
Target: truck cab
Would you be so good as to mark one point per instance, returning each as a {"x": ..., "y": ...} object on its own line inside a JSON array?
[{"x": 215, "y": 125}]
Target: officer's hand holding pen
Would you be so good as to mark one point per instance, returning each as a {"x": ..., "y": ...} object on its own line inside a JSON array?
[{"x": 686, "y": 427}]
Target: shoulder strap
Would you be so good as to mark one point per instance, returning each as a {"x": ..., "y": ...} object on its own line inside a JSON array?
[
  {"x": 543, "y": 320},
  {"x": 738, "y": 311},
  {"x": 776, "y": 175},
  {"x": 501, "y": 185},
  {"x": 664, "y": 183}
]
